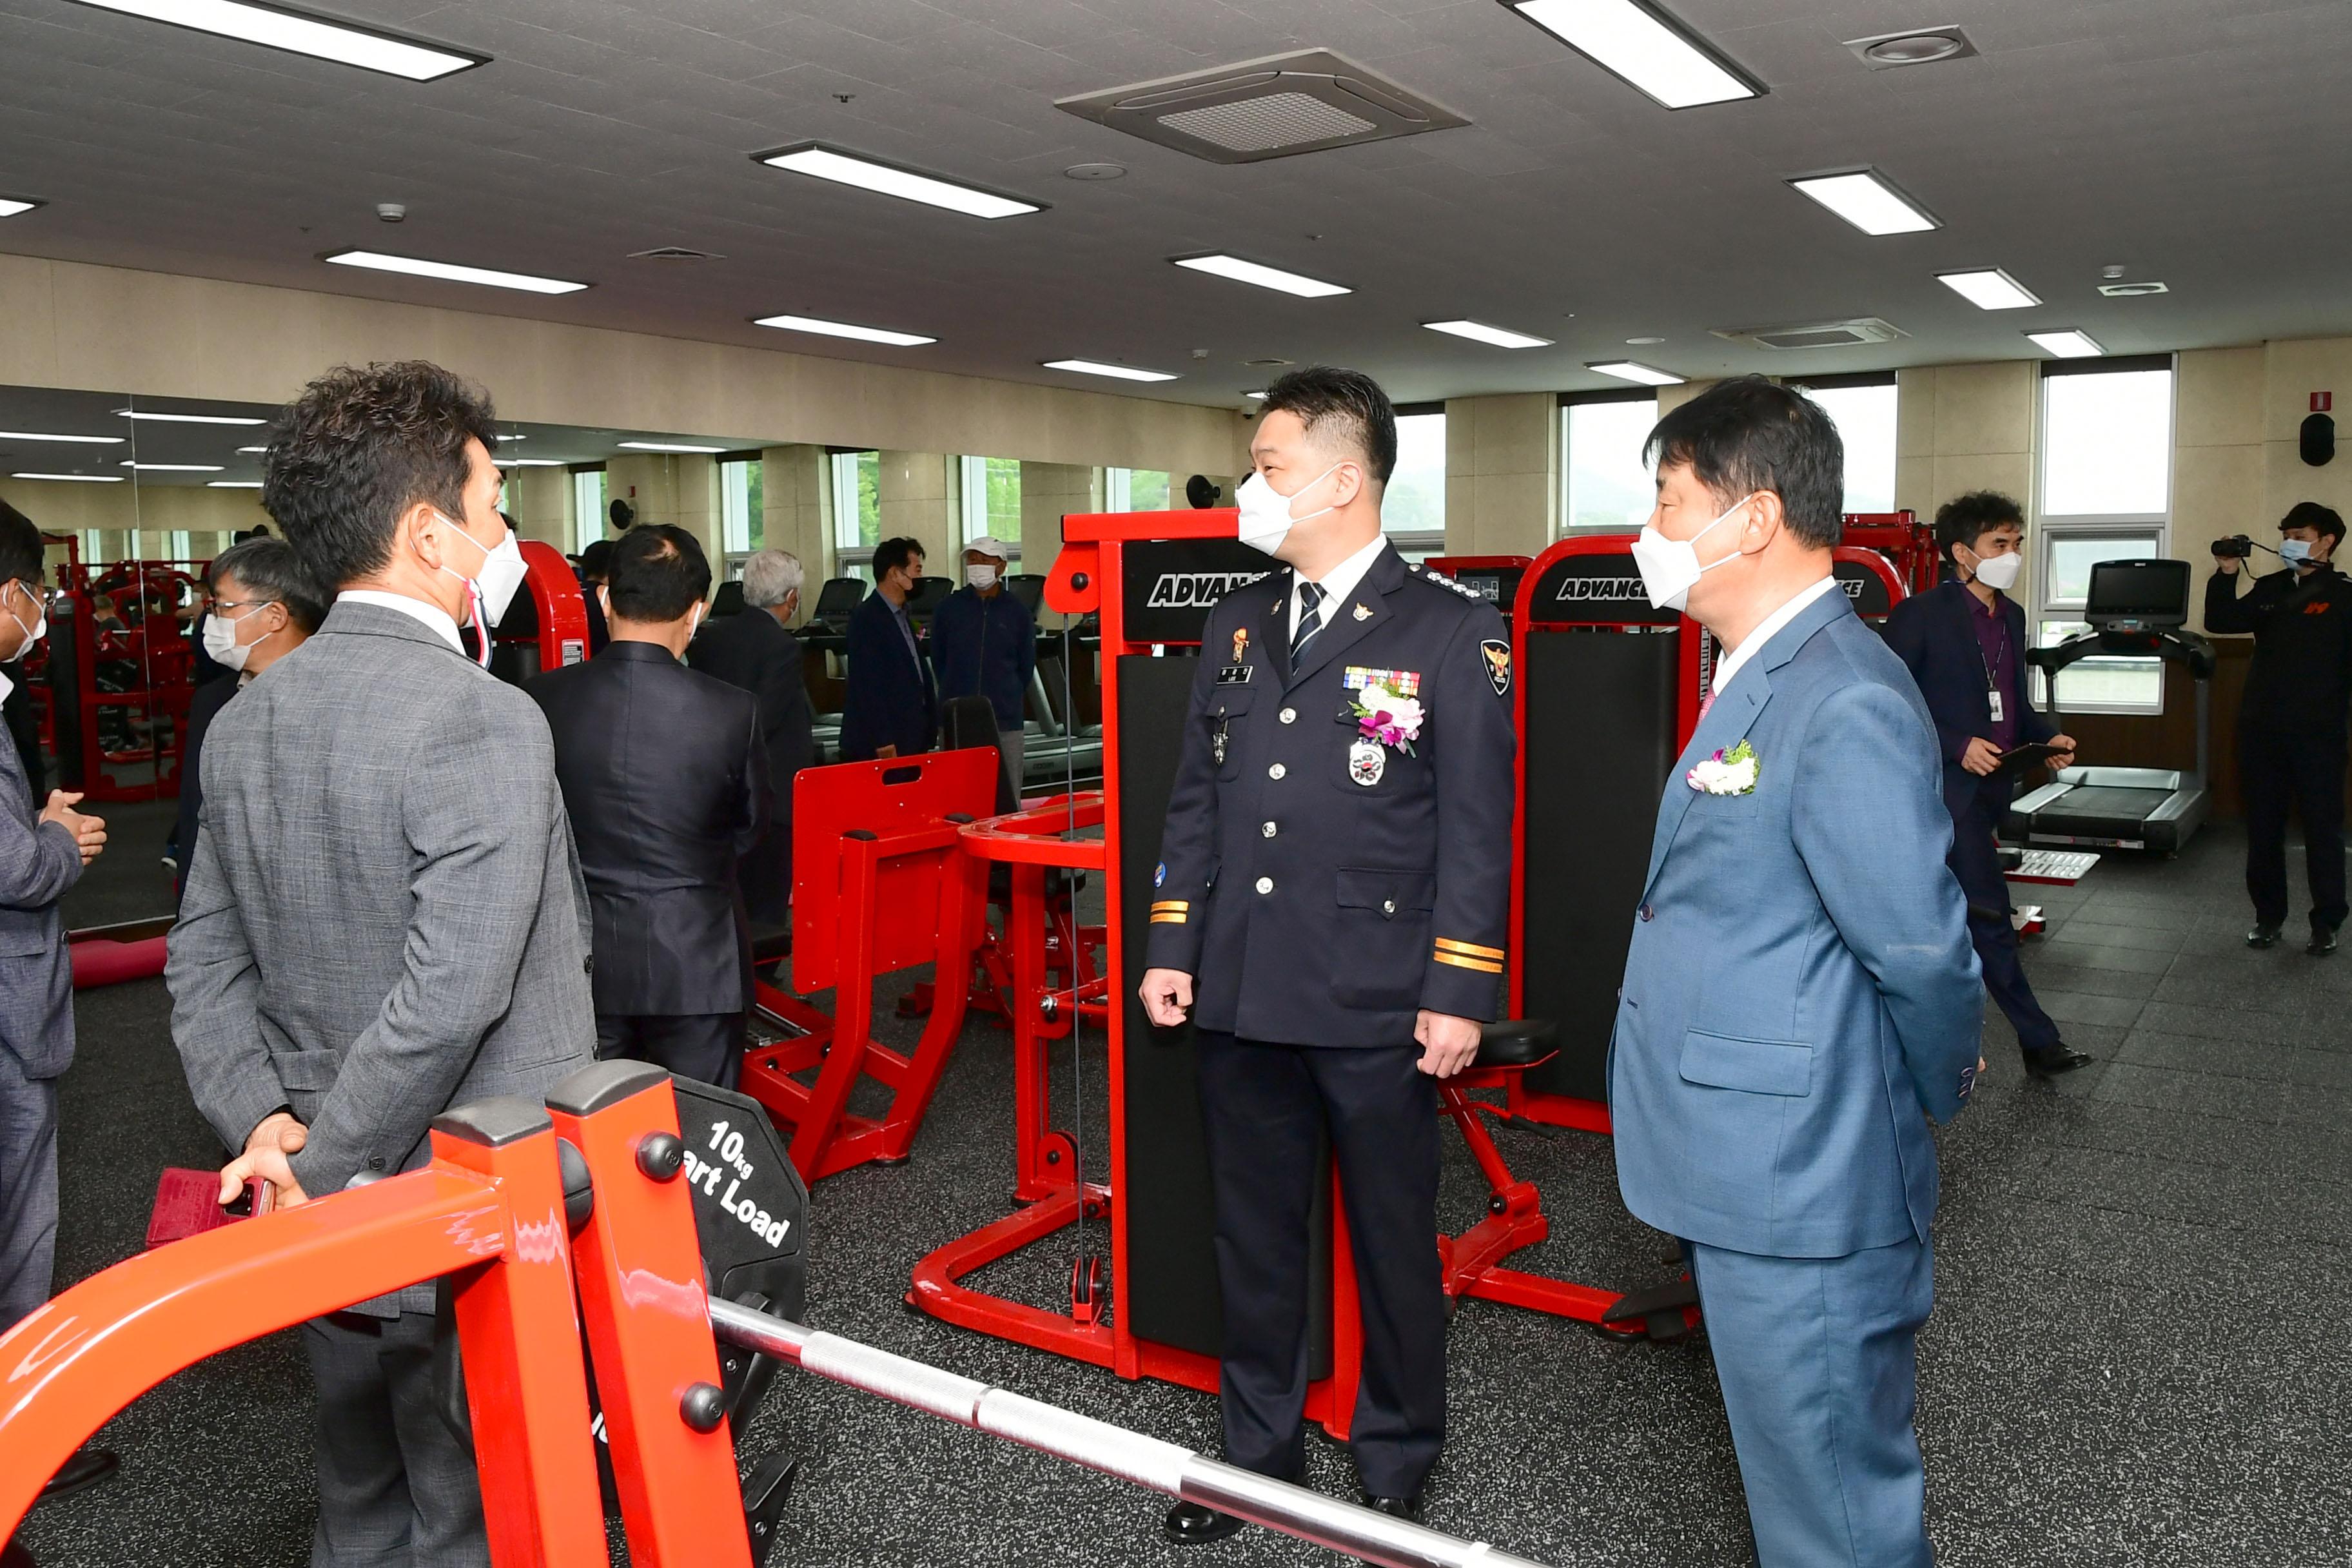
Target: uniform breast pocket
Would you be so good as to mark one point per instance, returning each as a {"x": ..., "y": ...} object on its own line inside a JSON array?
[
  {"x": 1227, "y": 720},
  {"x": 1364, "y": 766},
  {"x": 1383, "y": 943}
]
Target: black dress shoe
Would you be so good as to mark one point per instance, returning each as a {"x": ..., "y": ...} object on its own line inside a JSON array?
[
  {"x": 85, "y": 1468},
  {"x": 1190, "y": 1524},
  {"x": 2322, "y": 942},
  {"x": 2051, "y": 1060},
  {"x": 2262, "y": 936},
  {"x": 1404, "y": 1507}
]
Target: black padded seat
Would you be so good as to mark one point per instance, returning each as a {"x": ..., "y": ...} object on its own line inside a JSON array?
[{"x": 1515, "y": 1044}]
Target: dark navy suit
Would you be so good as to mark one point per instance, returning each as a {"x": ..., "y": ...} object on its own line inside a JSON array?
[
  {"x": 1937, "y": 641},
  {"x": 1322, "y": 903},
  {"x": 891, "y": 699}
]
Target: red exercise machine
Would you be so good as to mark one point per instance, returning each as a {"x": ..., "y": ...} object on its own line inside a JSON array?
[
  {"x": 1907, "y": 544},
  {"x": 116, "y": 673}
]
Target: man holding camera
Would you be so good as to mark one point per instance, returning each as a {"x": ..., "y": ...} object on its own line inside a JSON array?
[{"x": 2291, "y": 730}]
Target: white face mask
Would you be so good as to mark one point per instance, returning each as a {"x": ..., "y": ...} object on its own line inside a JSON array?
[
  {"x": 220, "y": 640},
  {"x": 503, "y": 571},
  {"x": 1999, "y": 573},
  {"x": 1670, "y": 566},
  {"x": 33, "y": 632},
  {"x": 1266, "y": 513},
  {"x": 980, "y": 576}
]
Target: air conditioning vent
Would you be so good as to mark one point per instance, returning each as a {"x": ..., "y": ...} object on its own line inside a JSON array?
[
  {"x": 1814, "y": 334},
  {"x": 2132, "y": 290},
  {"x": 1272, "y": 107},
  {"x": 674, "y": 253}
]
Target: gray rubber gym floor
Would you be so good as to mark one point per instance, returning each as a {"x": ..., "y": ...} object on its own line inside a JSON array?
[{"x": 2138, "y": 1357}]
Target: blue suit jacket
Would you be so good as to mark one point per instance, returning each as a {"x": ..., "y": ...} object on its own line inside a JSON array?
[
  {"x": 1933, "y": 636},
  {"x": 890, "y": 699},
  {"x": 1800, "y": 995}
]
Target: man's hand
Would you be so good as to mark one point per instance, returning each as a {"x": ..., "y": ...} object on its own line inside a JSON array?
[
  {"x": 89, "y": 832},
  {"x": 266, "y": 1151},
  {"x": 1981, "y": 757},
  {"x": 1166, "y": 996},
  {"x": 881, "y": 752},
  {"x": 1447, "y": 1043},
  {"x": 2062, "y": 752}
]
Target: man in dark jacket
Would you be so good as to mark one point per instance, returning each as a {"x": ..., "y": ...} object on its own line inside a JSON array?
[
  {"x": 665, "y": 777},
  {"x": 757, "y": 652},
  {"x": 891, "y": 706},
  {"x": 985, "y": 644},
  {"x": 2291, "y": 731},
  {"x": 1964, "y": 641}
]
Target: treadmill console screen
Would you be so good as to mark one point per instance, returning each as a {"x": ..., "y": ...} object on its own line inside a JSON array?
[{"x": 2147, "y": 595}]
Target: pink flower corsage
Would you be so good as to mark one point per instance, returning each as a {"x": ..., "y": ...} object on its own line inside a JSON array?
[{"x": 1382, "y": 715}]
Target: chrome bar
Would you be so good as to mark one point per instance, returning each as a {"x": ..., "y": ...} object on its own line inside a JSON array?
[{"x": 1148, "y": 1462}]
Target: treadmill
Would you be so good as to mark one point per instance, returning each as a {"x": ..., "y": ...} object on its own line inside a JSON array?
[{"x": 2136, "y": 609}]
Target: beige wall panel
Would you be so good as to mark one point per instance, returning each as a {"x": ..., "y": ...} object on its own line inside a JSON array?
[
  {"x": 2218, "y": 397},
  {"x": 1512, "y": 512},
  {"x": 2287, "y": 480},
  {"x": 1984, "y": 408},
  {"x": 1915, "y": 413},
  {"x": 1673, "y": 397},
  {"x": 2216, "y": 492},
  {"x": 2008, "y": 472},
  {"x": 1914, "y": 485},
  {"x": 2295, "y": 370}
]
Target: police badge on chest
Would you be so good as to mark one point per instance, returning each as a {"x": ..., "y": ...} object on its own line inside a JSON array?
[{"x": 1367, "y": 761}]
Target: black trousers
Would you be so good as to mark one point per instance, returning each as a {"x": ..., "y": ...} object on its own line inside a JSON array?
[
  {"x": 1265, "y": 1110},
  {"x": 704, "y": 1046},
  {"x": 1976, "y": 862},
  {"x": 2303, "y": 769}
]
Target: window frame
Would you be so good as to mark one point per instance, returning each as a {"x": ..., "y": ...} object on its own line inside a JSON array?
[
  {"x": 972, "y": 486},
  {"x": 1846, "y": 381},
  {"x": 735, "y": 533},
  {"x": 852, "y": 557},
  {"x": 1415, "y": 544},
  {"x": 587, "y": 530},
  {"x": 1563, "y": 507}
]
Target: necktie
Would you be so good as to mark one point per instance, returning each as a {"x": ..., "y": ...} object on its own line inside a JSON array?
[{"x": 1310, "y": 621}]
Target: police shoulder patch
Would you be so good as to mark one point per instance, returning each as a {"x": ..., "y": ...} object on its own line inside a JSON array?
[
  {"x": 1498, "y": 656},
  {"x": 1443, "y": 581}
]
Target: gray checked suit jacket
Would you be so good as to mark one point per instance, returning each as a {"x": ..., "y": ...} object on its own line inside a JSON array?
[
  {"x": 39, "y": 861},
  {"x": 385, "y": 915}
]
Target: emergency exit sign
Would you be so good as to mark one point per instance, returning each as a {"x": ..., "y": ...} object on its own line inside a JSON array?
[{"x": 2323, "y": 402}]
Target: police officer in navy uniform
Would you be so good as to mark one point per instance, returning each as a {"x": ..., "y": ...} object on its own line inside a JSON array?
[{"x": 1331, "y": 908}]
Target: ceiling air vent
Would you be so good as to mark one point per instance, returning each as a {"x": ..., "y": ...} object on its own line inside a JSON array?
[
  {"x": 1271, "y": 108},
  {"x": 674, "y": 253},
  {"x": 1814, "y": 334},
  {"x": 2132, "y": 290}
]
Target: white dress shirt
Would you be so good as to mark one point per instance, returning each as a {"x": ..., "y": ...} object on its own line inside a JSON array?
[
  {"x": 433, "y": 617},
  {"x": 1337, "y": 584},
  {"x": 1738, "y": 657}
]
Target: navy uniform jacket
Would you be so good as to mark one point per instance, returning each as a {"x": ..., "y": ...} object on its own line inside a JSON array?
[
  {"x": 1316, "y": 898},
  {"x": 1932, "y": 635}
]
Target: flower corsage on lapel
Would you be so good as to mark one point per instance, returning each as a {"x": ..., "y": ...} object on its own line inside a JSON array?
[
  {"x": 1725, "y": 773},
  {"x": 1385, "y": 717}
]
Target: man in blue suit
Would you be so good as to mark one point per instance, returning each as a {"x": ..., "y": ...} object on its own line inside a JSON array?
[
  {"x": 1963, "y": 643},
  {"x": 891, "y": 706},
  {"x": 1800, "y": 995}
]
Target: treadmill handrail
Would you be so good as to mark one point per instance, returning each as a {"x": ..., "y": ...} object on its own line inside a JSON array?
[{"x": 2180, "y": 647}]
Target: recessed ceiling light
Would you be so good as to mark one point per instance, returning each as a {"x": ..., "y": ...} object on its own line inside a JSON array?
[
  {"x": 1479, "y": 332},
  {"x": 1868, "y": 200},
  {"x": 84, "y": 440},
  {"x": 315, "y": 36},
  {"x": 1116, "y": 372},
  {"x": 1258, "y": 396},
  {"x": 1644, "y": 46},
  {"x": 2133, "y": 290},
  {"x": 190, "y": 418},
  {"x": 1274, "y": 278},
  {"x": 667, "y": 446},
  {"x": 172, "y": 467},
  {"x": 232, "y": 484},
  {"x": 867, "y": 175},
  {"x": 1642, "y": 343},
  {"x": 74, "y": 479},
  {"x": 1919, "y": 47},
  {"x": 1095, "y": 172},
  {"x": 10, "y": 206},
  {"x": 1989, "y": 289},
  {"x": 2068, "y": 343},
  {"x": 451, "y": 272},
  {"x": 1630, "y": 370},
  {"x": 242, "y": 450},
  {"x": 844, "y": 330},
  {"x": 514, "y": 437},
  {"x": 529, "y": 462}
]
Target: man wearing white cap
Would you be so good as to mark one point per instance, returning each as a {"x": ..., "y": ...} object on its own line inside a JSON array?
[{"x": 985, "y": 644}]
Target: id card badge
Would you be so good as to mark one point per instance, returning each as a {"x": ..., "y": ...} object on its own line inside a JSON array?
[{"x": 1993, "y": 698}]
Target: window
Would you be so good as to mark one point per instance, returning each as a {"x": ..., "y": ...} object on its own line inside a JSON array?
[
  {"x": 176, "y": 546},
  {"x": 1863, "y": 409},
  {"x": 1136, "y": 490},
  {"x": 2106, "y": 495},
  {"x": 1605, "y": 486},
  {"x": 740, "y": 523},
  {"x": 857, "y": 511},
  {"x": 587, "y": 507},
  {"x": 1412, "y": 508},
  {"x": 991, "y": 500}
]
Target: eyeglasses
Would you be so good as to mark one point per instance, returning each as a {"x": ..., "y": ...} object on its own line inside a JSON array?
[{"x": 220, "y": 605}]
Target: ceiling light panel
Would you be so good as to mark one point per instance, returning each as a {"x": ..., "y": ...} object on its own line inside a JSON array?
[
  {"x": 1989, "y": 289},
  {"x": 451, "y": 272},
  {"x": 1480, "y": 332},
  {"x": 1632, "y": 370},
  {"x": 10, "y": 206},
  {"x": 232, "y": 484},
  {"x": 1116, "y": 372},
  {"x": 84, "y": 440},
  {"x": 1275, "y": 277},
  {"x": 190, "y": 418},
  {"x": 2068, "y": 343},
  {"x": 1642, "y": 47},
  {"x": 666, "y": 446},
  {"x": 318, "y": 36},
  {"x": 74, "y": 479},
  {"x": 825, "y": 329},
  {"x": 172, "y": 467},
  {"x": 1868, "y": 200},
  {"x": 868, "y": 175}
]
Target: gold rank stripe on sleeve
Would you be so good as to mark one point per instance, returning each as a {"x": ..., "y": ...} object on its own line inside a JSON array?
[
  {"x": 1170, "y": 911},
  {"x": 1470, "y": 955}
]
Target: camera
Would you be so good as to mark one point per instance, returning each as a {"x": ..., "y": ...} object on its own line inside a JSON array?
[{"x": 2237, "y": 547}]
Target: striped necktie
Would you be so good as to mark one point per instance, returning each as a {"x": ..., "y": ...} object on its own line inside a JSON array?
[{"x": 1310, "y": 620}]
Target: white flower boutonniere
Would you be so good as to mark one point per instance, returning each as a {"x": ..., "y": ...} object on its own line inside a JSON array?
[
  {"x": 1383, "y": 715},
  {"x": 1725, "y": 773}
]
